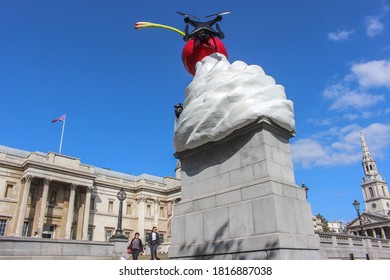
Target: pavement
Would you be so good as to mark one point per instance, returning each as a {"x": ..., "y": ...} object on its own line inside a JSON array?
[{"x": 147, "y": 257}]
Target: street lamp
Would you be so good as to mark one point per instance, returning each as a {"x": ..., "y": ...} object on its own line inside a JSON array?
[
  {"x": 305, "y": 188},
  {"x": 121, "y": 195},
  {"x": 356, "y": 204}
]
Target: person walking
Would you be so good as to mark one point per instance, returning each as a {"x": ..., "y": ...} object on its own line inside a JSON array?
[
  {"x": 136, "y": 246},
  {"x": 153, "y": 243}
]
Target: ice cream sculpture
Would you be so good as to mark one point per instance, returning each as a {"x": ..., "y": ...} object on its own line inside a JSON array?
[{"x": 222, "y": 96}]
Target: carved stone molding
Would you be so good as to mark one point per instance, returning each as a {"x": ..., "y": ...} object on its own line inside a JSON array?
[
  {"x": 73, "y": 186},
  {"x": 27, "y": 179},
  {"x": 142, "y": 199},
  {"x": 47, "y": 181}
]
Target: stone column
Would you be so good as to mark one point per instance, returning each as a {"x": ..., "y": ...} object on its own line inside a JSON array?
[
  {"x": 86, "y": 213},
  {"x": 69, "y": 218},
  {"x": 141, "y": 215},
  {"x": 383, "y": 233},
  {"x": 170, "y": 213},
  {"x": 240, "y": 200},
  {"x": 156, "y": 211},
  {"x": 42, "y": 211},
  {"x": 169, "y": 218},
  {"x": 23, "y": 204}
]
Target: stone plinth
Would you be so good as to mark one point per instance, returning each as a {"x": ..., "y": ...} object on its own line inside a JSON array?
[
  {"x": 120, "y": 246},
  {"x": 240, "y": 200}
]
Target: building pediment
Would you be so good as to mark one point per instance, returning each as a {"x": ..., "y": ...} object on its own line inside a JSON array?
[{"x": 369, "y": 219}]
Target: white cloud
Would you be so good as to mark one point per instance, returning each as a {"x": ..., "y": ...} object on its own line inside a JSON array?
[
  {"x": 371, "y": 74},
  {"x": 340, "y": 36},
  {"x": 345, "y": 98},
  {"x": 377, "y": 136},
  {"x": 366, "y": 114},
  {"x": 374, "y": 73},
  {"x": 351, "y": 117},
  {"x": 308, "y": 152},
  {"x": 340, "y": 146},
  {"x": 334, "y": 91},
  {"x": 352, "y": 99},
  {"x": 321, "y": 121},
  {"x": 373, "y": 26}
]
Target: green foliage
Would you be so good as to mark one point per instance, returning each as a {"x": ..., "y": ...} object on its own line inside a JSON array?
[{"x": 324, "y": 222}]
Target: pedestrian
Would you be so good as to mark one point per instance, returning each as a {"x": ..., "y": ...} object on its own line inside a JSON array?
[
  {"x": 136, "y": 246},
  {"x": 153, "y": 243}
]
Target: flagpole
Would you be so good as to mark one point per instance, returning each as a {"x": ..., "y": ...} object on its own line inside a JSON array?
[{"x": 62, "y": 134}]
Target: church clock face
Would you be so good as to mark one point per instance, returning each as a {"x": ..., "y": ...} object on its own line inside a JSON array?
[{"x": 373, "y": 205}]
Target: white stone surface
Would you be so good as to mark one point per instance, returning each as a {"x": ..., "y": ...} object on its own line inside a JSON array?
[{"x": 224, "y": 97}]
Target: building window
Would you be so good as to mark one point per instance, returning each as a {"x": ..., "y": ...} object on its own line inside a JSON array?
[
  {"x": 128, "y": 209},
  {"x": 147, "y": 232},
  {"x": 53, "y": 198},
  {"x": 371, "y": 192},
  {"x": 30, "y": 196},
  {"x": 110, "y": 206},
  {"x": 90, "y": 233},
  {"x": 72, "y": 233},
  {"x": 76, "y": 201},
  {"x": 109, "y": 233},
  {"x": 162, "y": 212},
  {"x": 148, "y": 210},
  {"x": 9, "y": 191},
  {"x": 48, "y": 231},
  {"x": 92, "y": 207},
  {"x": 128, "y": 234},
  {"x": 3, "y": 224},
  {"x": 160, "y": 237},
  {"x": 25, "y": 229}
]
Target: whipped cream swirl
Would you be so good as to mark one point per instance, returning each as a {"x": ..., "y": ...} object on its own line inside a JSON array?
[{"x": 224, "y": 97}]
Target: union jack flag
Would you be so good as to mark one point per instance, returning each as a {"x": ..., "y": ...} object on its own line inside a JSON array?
[{"x": 60, "y": 119}]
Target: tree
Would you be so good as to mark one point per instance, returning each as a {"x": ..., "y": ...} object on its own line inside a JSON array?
[{"x": 324, "y": 222}]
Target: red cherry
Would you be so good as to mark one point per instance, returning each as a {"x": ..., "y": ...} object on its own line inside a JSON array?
[{"x": 195, "y": 50}]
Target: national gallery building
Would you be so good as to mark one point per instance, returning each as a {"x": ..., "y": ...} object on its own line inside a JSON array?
[{"x": 56, "y": 196}]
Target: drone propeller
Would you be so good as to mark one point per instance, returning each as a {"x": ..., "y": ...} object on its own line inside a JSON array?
[
  {"x": 219, "y": 14},
  {"x": 187, "y": 15}
]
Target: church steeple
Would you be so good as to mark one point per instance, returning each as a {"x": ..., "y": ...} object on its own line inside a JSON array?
[
  {"x": 369, "y": 164},
  {"x": 374, "y": 187}
]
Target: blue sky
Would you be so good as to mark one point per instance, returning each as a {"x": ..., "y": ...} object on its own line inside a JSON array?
[{"x": 118, "y": 85}]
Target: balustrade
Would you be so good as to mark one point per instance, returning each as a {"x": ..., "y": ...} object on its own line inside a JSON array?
[{"x": 336, "y": 240}]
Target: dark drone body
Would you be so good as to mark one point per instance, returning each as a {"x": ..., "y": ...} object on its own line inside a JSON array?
[{"x": 203, "y": 30}]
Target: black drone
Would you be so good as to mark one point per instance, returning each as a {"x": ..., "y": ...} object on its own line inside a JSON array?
[{"x": 203, "y": 30}]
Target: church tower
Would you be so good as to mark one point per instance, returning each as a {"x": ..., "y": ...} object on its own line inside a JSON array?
[{"x": 374, "y": 187}]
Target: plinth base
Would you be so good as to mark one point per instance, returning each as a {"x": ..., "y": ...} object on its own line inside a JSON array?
[{"x": 240, "y": 200}]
